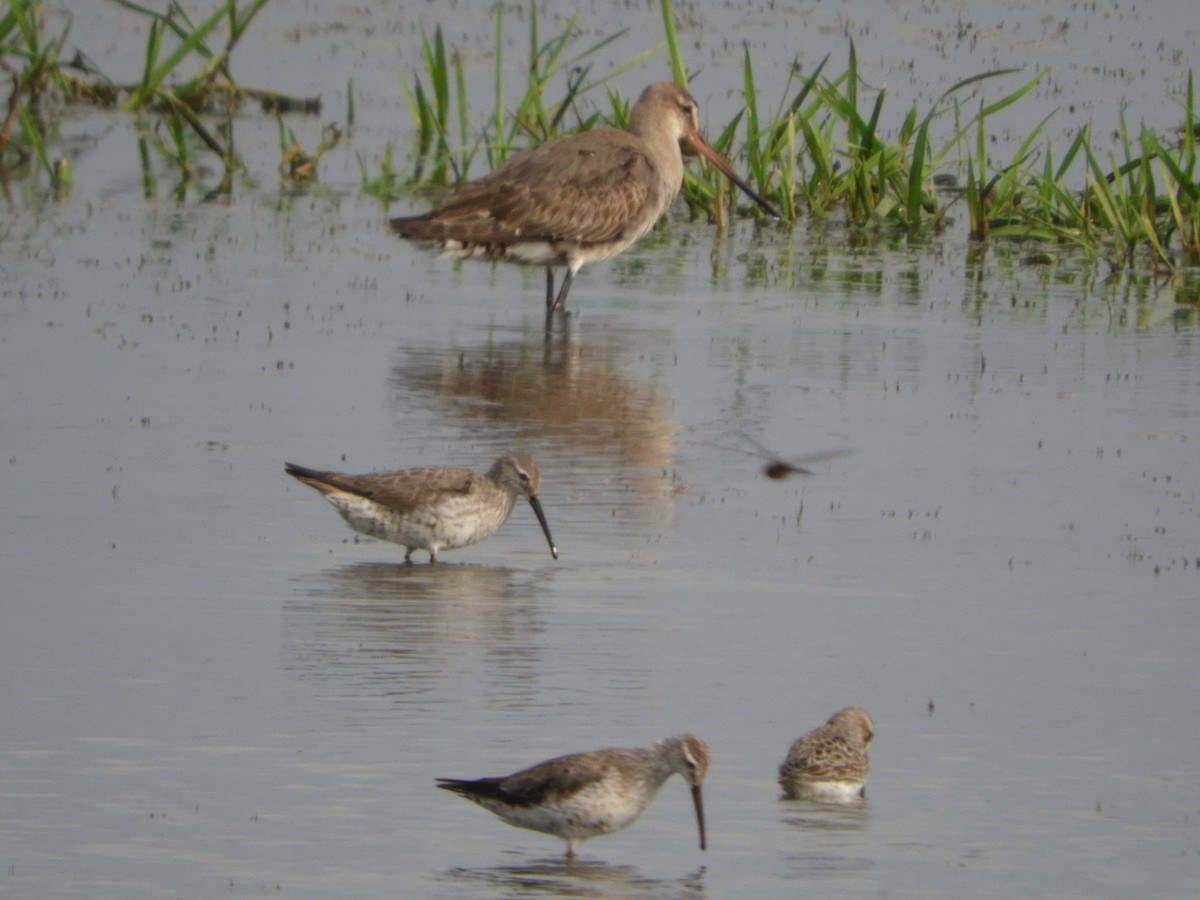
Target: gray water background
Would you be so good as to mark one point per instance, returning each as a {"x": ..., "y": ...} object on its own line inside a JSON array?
[{"x": 210, "y": 688}]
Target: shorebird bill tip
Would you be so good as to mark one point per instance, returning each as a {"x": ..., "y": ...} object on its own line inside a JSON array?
[{"x": 541, "y": 517}]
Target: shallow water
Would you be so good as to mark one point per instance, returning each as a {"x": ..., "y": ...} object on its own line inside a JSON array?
[{"x": 211, "y": 687}]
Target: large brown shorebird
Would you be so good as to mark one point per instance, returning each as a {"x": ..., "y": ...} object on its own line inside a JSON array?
[
  {"x": 577, "y": 199},
  {"x": 431, "y": 509},
  {"x": 583, "y": 795},
  {"x": 830, "y": 763}
]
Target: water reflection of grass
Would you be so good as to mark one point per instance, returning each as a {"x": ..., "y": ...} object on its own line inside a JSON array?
[{"x": 823, "y": 149}]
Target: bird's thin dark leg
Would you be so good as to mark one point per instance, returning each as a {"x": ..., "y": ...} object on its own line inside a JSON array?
[
  {"x": 549, "y": 290},
  {"x": 560, "y": 302}
]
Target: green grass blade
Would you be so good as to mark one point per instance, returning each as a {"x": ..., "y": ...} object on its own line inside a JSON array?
[
  {"x": 853, "y": 121},
  {"x": 750, "y": 92},
  {"x": 632, "y": 63},
  {"x": 460, "y": 85},
  {"x": 1190, "y": 124},
  {"x": 1184, "y": 182},
  {"x": 596, "y": 47},
  {"x": 1072, "y": 152},
  {"x": 497, "y": 150},
  {"x": 916, "y": 175},
  {"x": 155, "y": 74},
  {"x": 678, "y": 72},
  {"x": 787, "y": 173},
  {"x": 869, "y": 140},
  {"x": 33, "y": 137}
]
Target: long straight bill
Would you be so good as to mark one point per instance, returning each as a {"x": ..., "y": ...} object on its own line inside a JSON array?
[
  {"x": 701, "y": 146},
  {"x": 699, "y": 815},
  {"x": 541, "y": 517}
]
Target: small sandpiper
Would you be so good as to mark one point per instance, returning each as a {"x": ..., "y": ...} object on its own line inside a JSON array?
[
  {"x": 580, "y": 796},
  {"x": 431, "y": 509},
  {"x": 830, "y": 763}
]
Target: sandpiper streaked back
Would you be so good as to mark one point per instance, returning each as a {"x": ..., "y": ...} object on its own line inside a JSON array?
[{"x": 830, "y": 763}]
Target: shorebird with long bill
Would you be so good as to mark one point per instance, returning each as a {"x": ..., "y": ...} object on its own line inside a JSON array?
[
  {"x": 583, "y": 795},
  {"x": 577, "y": 199},
  {"x": 434, "y": 508}
]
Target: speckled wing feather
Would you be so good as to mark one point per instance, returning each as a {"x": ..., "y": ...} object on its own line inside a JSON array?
[
  {"x": 583, "y": 188},
  {"x": 403, "y": 491},
  {"x": 556, "y": 779},
  {"x": 817, "y": 757},
  {"x": 546, "y": 782}
]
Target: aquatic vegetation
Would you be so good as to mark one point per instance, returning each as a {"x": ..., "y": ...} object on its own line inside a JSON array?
[
  {"x": 173, "y": 107},
  {"x": 823, "y": 152},
  {"x": 445, "y": 150},
  {"x": 22, "y": 135},
  {"x": 872, "y": 181},
  {"x": 820, "y": 146},
  {"x": 299, "y": 168},
  {"x": 1130, "y": 207}
]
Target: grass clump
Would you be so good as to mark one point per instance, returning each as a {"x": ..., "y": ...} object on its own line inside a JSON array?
[
  {"x": 176, "y": 105},
  {"x": 445, "y": 150},
  {"x": 824, "y": 148}
]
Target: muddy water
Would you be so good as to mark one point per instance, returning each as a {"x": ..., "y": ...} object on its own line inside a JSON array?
[{"x": 211, "y": 688}]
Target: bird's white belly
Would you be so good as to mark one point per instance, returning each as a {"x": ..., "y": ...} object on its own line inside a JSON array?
[
  {"x": 454, "y": 522},
  {"x": 592, "y": 811},
  {"x": 827, "y": 791}
]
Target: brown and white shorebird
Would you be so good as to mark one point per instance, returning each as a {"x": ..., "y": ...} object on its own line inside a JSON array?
[
  {"x": 583, "y": 795},
  {"x": 577, "y": 199},
  {"x": 830, "y": 763},
  {"x": 431, "y": 509}
]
